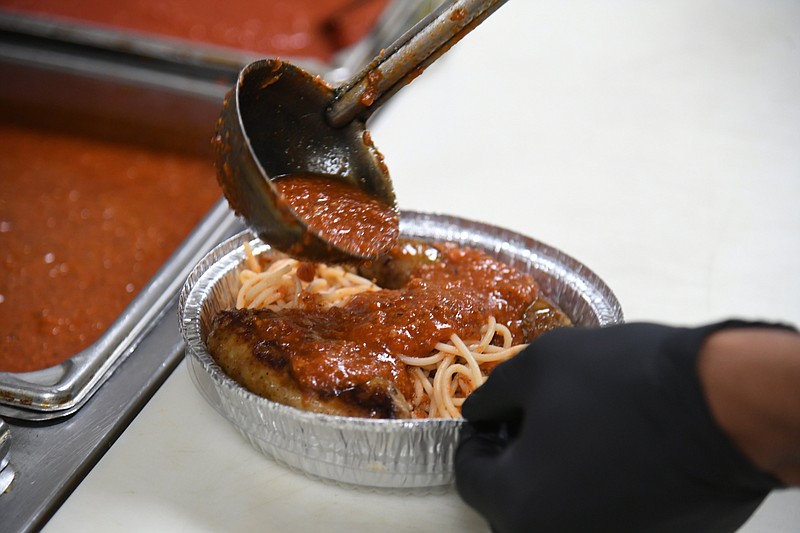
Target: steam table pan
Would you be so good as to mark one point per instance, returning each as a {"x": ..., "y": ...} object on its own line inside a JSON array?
[{"x": 170, "y": 120}]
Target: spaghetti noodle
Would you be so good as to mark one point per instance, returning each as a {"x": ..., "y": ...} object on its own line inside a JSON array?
[
  {"x": 287, "y": 282},
  {"x": 441, "y": 381}
]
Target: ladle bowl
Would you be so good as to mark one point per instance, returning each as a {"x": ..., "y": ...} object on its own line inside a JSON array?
[
  {"x": 279, "y": 120},
  {"x": 273, "y": 124}
]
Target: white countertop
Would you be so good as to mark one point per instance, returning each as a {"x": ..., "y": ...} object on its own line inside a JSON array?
[{"x": 656, "y": 142}]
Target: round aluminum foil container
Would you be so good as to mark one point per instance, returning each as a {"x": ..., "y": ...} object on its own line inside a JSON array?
[{"x": 397, "y": 454}]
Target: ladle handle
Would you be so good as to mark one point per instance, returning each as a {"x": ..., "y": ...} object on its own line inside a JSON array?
[{"x": 407, "y": 58}]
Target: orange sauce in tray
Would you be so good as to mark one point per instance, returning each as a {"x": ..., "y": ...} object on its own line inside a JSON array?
[
  {"x": 84, "y": 225},
  {"x": 296, "y": 28}
]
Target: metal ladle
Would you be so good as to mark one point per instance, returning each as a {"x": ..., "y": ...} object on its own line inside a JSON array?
[{"x": 280, "y": 120}]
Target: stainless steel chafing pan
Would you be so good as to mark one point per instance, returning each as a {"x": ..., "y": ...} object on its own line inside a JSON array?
[
  {"x": 48, "y": 41},
  {"x": 173, "y": 89},
  {"x": 176, "y": 117}
]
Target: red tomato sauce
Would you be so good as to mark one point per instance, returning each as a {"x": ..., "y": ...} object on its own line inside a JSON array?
[
  {"x": 342, "y": 214},
  {"x": 84, "y": 225},
  {"x": 338, "y": 348}
]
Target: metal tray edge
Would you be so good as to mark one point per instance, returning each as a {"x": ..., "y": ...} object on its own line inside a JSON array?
[{"x": 60, "y": 390}]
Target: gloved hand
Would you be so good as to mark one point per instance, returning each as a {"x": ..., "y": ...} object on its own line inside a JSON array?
[{"x": 604, "y": 429}]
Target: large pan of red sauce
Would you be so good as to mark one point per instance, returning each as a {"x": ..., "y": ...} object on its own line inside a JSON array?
[{"x": 85, "y": 223}]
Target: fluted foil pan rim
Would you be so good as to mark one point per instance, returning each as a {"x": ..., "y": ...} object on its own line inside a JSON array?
[{"x": 396, "y": 454}]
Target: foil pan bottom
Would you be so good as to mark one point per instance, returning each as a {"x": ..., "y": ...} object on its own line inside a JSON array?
[
  {"x": 382, "y": 454},
  {"x": 387, "y": 454}
]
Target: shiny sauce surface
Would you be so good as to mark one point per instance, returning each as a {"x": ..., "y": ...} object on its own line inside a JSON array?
[
  {"x": 340, "y": 348},
  {"x": 84, "y": 225},
  {"x": 341, "y": 214}
]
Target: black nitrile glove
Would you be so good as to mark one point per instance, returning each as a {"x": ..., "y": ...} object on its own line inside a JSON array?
[{"x": 604, "y": 429}]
